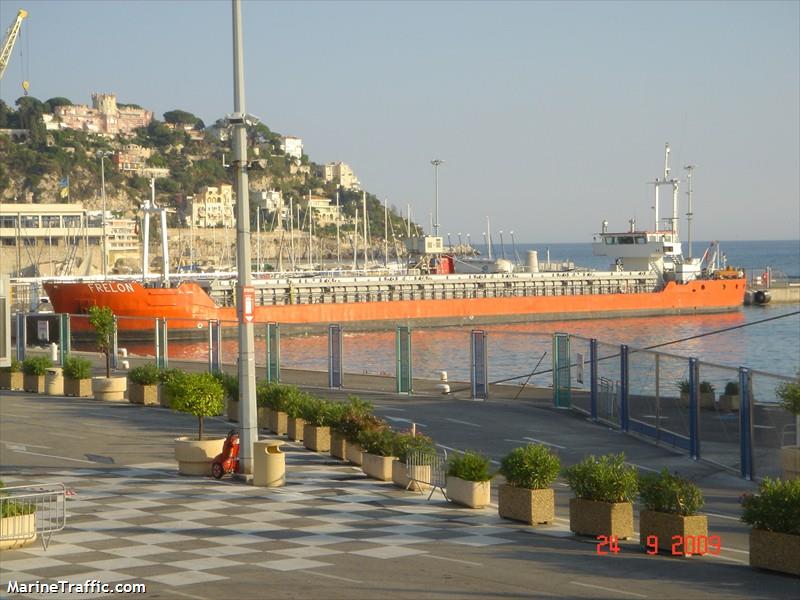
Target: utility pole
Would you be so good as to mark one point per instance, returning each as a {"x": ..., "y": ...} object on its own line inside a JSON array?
[
  {"x": 102, "y": 156},
  {"x": 247, "y": 362},
  {"x": 338, "y": 243}
]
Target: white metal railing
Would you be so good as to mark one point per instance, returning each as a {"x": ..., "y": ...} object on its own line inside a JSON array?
[
  {"x": 429, "y": 468},
  {"x": 31, "y": 511}
]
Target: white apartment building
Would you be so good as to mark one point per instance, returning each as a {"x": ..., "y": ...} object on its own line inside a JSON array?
[
  {"x": 340, "y": 173},
  {"x": 292, "y": 146},
  {"x": 214, "y": 207}
]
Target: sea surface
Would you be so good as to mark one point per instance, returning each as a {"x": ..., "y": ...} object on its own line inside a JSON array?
[{"x": 765, "y": 338}]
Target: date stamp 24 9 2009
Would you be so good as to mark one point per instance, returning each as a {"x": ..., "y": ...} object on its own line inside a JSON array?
[{"x": 690, "y": 545}]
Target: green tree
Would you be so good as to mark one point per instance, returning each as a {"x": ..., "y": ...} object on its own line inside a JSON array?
[
  {"x": 180, "y": 117},
  {"x": 101, "y": 318}
]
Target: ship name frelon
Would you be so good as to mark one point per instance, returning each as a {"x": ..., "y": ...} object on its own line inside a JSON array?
[{"x": 111, "y": 287}]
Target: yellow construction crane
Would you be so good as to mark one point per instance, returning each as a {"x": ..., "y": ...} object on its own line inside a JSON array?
[{"x": 8, "y": 45}]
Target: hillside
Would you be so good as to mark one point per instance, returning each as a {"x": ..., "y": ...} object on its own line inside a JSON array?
[{"x": 33, "y": 170}]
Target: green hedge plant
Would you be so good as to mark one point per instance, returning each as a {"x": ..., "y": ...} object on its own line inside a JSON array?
[
  {"x": 379, "y": 441},
  {"x": 321, "y": 413},
  {"x": 469, "y": 466},
  {"x": 36, "y": 365},
  {"x": 603, "y": 479},
  {"x": 668, "y": 493},
  {"x": 198, "y": 394},
  {"x": 14, "y": 508},
  {"x": 706, "y": 387},
  {"x": 789, "y": 394},
  {"x": 405, "y": 442},
  {"x": 775, "y": 507},
  {"x": 148, "y": 374},
  {"x": 14, "y": 367},
  {"x": 534, "y": 467},
  {"x": 76, "y": 367},
  {"x": 230, "y": 383},
  {"x": 732, "y": 388}
]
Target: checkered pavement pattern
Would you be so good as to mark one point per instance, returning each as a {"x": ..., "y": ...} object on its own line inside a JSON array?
[{"x": 146, "y": 523}]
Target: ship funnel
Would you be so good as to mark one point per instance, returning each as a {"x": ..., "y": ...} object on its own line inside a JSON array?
[{"x": 533, "y": 261}]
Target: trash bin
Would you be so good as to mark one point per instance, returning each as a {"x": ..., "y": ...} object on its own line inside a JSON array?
[
  {"x": 269, "y": 464},
  {"x": 54, "y": 382}
]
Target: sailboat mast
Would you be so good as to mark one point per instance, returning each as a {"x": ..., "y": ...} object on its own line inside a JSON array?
[
  {"x": 355, "y": 242},
  {"x": 366, "y": 239},
  {"x": 338, "y": 242}
]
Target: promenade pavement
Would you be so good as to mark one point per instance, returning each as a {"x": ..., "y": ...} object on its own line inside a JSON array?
[{"x": 331, "y": 532}]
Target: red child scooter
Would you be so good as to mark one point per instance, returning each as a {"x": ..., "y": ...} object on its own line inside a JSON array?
[{"x": 227, "y": 461}]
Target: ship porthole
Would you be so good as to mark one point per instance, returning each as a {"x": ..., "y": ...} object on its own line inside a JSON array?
[
  {"x": 724, "y": 286},
  {"x": 702, "y": 287}
]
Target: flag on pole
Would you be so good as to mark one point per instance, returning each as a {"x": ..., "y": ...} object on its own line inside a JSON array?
[{"x": 64, "y": 187}]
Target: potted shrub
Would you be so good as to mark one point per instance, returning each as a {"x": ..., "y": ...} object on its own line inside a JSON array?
[
  {"x": 415, "y": 477},
  {"x": 279, "y": 397},
  {"x": 318, "y": 416},
  {"x": 774, "y": 513},
  {"x": 347, "y": 425},
  {"x": 263, "y": 410},
  {"x": 77, "y": 377},
  {"x": 670, "y": 507},
  {"x": 376, "y": 459},
  {"x": 527, "y": 495},
  {"x": 230, "y": 384},
  {"x": 101, "y": 318},
  {"x": 604, "y": 489},
  {"x": 707, "y": 398},
  {"x": 11, "y": 376},
  {"x": 789, "y": 394},
  {"x": 685, "y": 389},
  {"x": 729, "y": 400},
  {"x": 198, "y": 394},
  {"x": 295, "y": 405},
  {"x": 351, "y": 426},
  {"x": 17, "y": 522},
  {"x": 34, "y": 368},
  {"x": 144, "y": 385},
  {"x": 468, "y": 480}
]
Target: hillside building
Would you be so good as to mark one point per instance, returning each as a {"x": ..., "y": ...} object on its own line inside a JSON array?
[
  {"x": 214, "y": 207},
  {"x": 104, "y": 117},
  {"x": 340, "y": 173}
]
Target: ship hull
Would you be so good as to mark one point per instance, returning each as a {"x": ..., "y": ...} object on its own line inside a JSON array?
[{"x": 189, "y": 309}]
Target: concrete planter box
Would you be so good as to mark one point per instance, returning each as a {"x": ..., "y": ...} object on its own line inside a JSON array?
[
  {"x": 665, "y": 525},
  {"x": 708, "y": 401},
  {"x": 195, "y": 456},
  {"x": 775, "y": 551},
  {"x": 54, "y": 381},
  {"x": 353, "y": 453},
  {"x": 472, "y": 494},
  {"x": 109, "y": 388},
  {"x": 232, "y": 410},
  {"x": 316, "y": 438},
  {"x": 587, "y": 517},
  {"x": 411, "y": 478},
  {"x": 33, "y": 383},
  {"x": 263, "y": 417},
  {"x": 294, "y": 429},
  {"x": 17, "y": 531},
  {"x": 278, "y": 422},
  {"x": 377, "y": 467},
  {"x": 11, "y": 381},
  {"x": 143, "y": 394},
  {"x": 81, "y": 388},
  {"x": 163, "y": 397},
  {"x": 337, "y": 445},
  {"x": 729, "y": 403},
  {"x": 528, "y": 506},
  {"x": 790, "y": 462}
]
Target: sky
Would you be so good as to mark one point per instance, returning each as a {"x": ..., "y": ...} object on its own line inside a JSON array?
[{"x": 550, "y": 117}]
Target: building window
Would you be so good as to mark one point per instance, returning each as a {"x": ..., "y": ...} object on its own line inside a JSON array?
[
  {"x": 8, "y": 222},
  {"x": 29, "y": 241},
  {"x": 72, "y": 221},
  {"x": 51, "y": 221},
  {"x": 9, "y": 242},
  {"x": 30, "y": 221}
]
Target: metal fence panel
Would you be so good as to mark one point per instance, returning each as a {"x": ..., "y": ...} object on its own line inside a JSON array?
[
  {"x": 32, "y": 511},
  {"x": 775, "y": 429},
  {"x": 608, "y": 384},
  {"x": 581, "y": 377},
  {"x": 719, "y": 415},
  {"x": 429, "y": 468}
]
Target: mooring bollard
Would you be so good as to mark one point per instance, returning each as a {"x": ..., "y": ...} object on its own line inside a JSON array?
[{"x": 443, "y": 386}]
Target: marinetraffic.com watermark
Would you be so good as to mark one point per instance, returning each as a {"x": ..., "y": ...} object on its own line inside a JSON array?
[{"x": 90, "y": 586}]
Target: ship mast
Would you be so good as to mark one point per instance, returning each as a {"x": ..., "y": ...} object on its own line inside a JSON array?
[
  {"x": 689, "y": 213},
  {"x": 657, "y": 183}
]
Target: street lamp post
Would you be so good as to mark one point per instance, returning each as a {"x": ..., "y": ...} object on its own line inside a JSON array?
[{"x": 436, "y": 162}]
